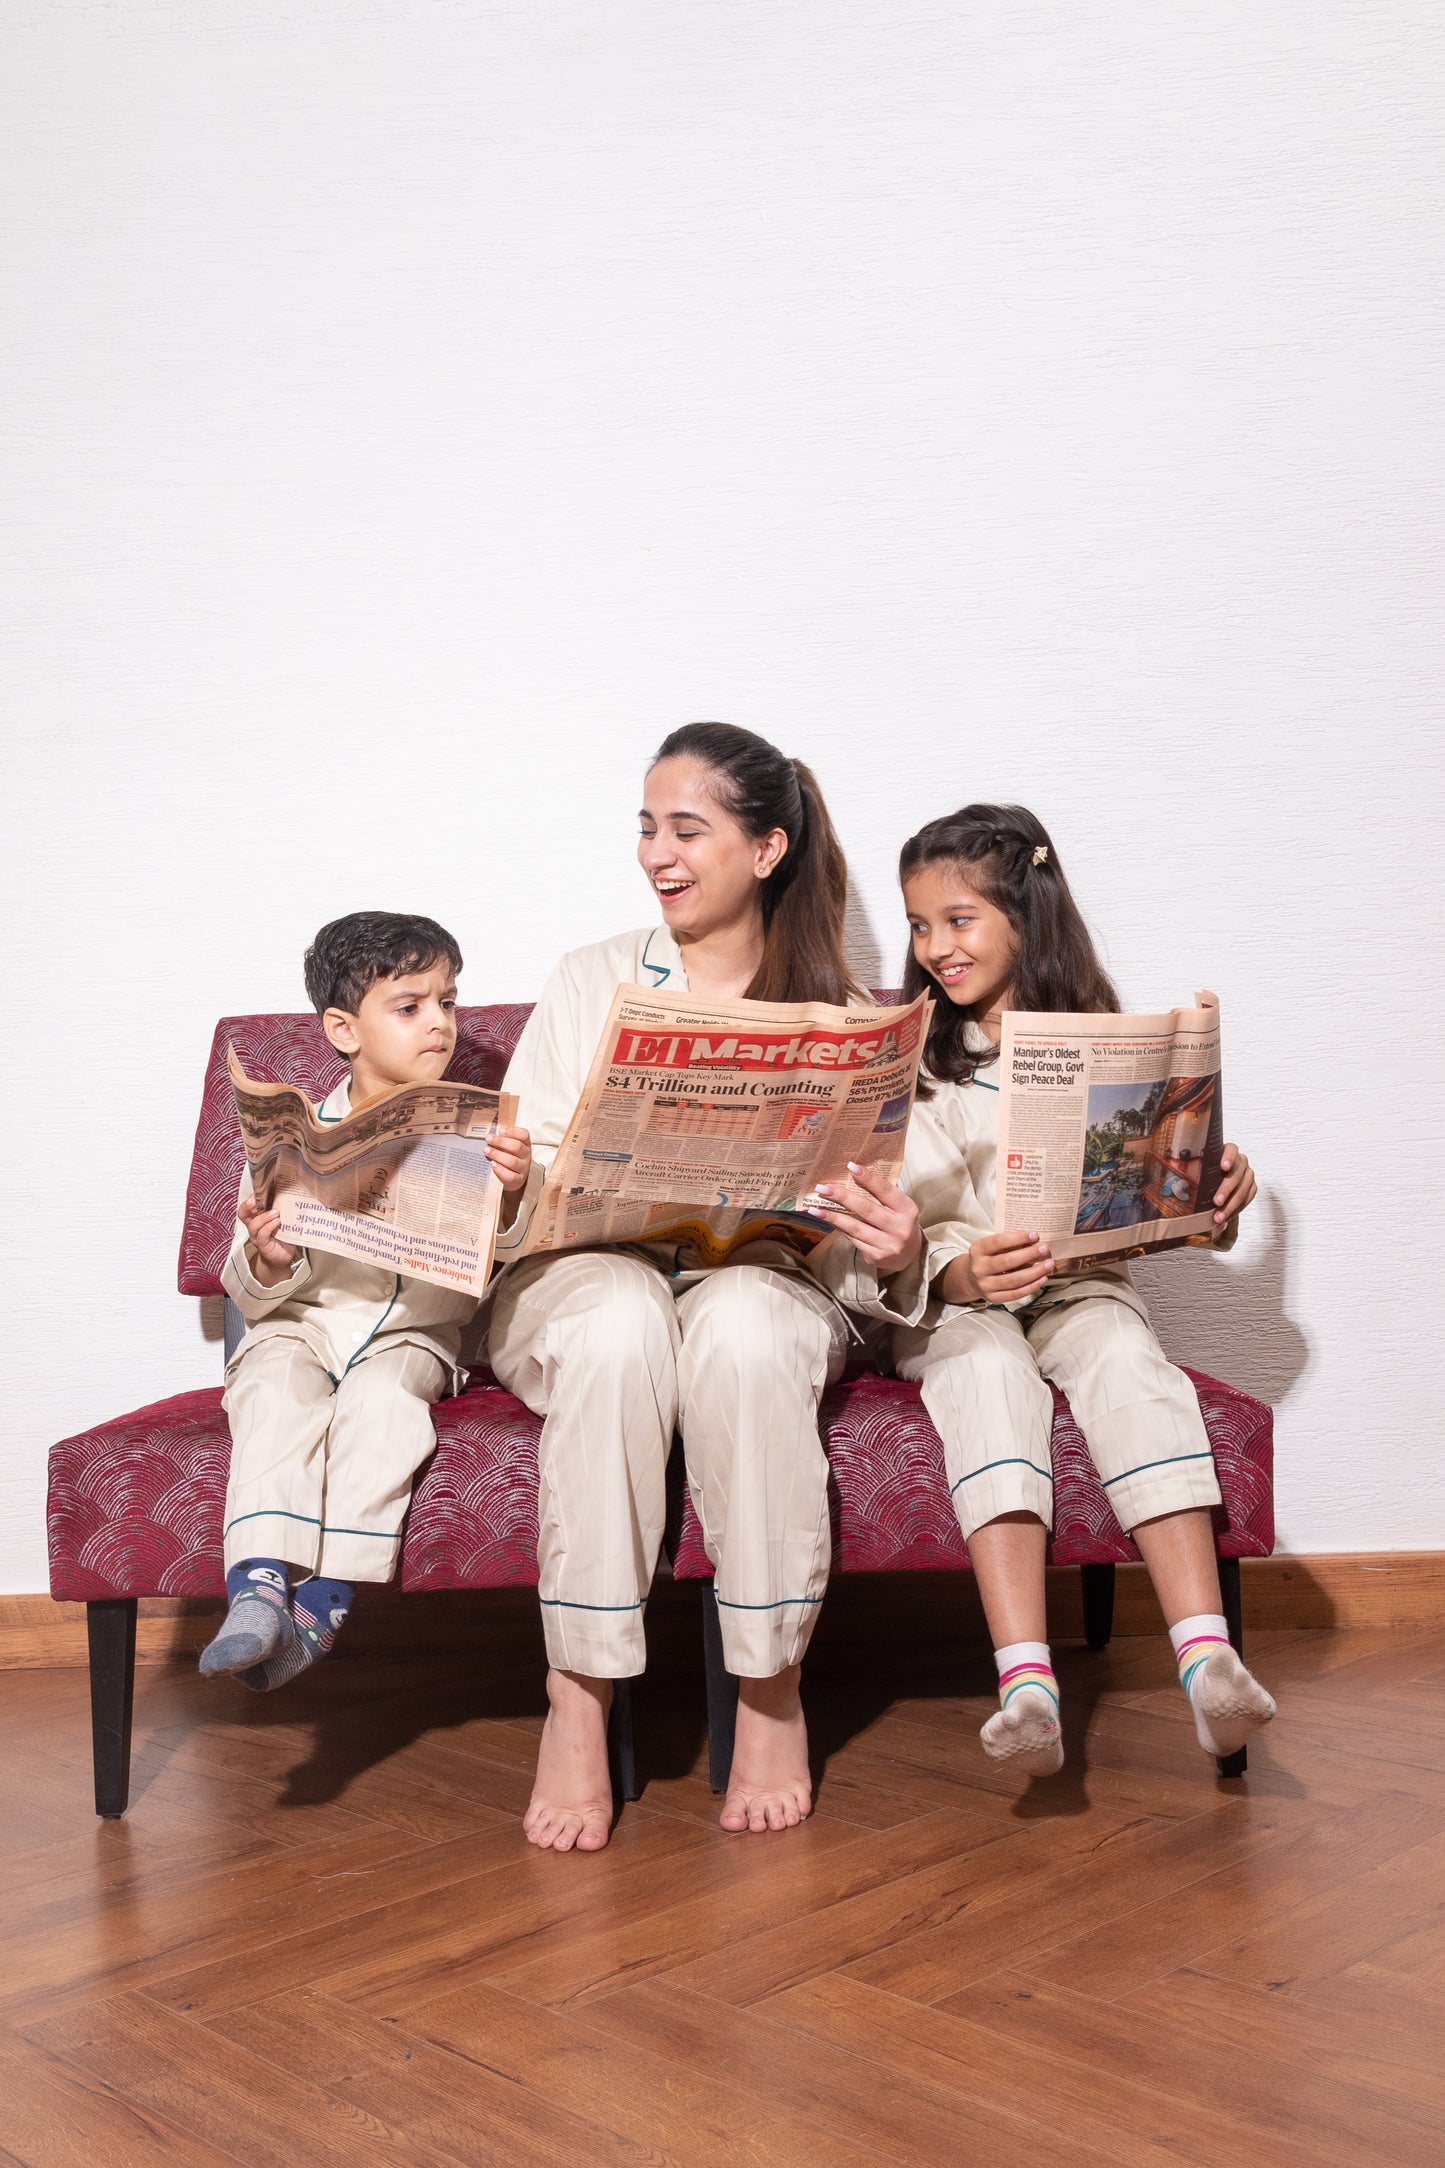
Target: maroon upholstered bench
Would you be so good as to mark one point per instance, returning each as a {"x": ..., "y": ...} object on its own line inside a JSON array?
[{"x": 135, "y": 1504}]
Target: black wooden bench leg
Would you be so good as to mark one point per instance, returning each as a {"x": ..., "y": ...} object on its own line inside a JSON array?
[
  {"x": 1098, "y": 1585},
  {"x": 1233, "y": 1765},
  {"x": 722, "y": 1695},
  {"x": 111, "y": 1630},
  {"x": 621, "y": 1758}
]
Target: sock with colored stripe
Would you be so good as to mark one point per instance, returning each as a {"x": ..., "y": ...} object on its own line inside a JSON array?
[
  {"x": 318, "y": 1608},
  {"x": 1228, "y": 1703},
  {"x": 1025, "y": 1730},
  {"x": 257, "y": 1625}
]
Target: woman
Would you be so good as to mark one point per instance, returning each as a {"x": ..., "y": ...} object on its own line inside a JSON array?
[{"x": 617, "y": 1347}]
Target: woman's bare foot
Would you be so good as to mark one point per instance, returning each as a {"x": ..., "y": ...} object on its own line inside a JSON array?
[
  {"x": 572, "y": 1798},
  {"x": 770, "y": 1786}
]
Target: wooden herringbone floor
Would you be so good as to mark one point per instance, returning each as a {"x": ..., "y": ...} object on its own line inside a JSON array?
[{"x": 318, "y": 1939}]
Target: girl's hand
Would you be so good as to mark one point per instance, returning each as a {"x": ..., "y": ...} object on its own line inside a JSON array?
[
  {"x": 510, "y": 1151},
  {"x": 998, "y": 1268},
  {"x": 879, "y": 1219},
  {"x": 274, "y": 1258},
  {"x": 1238, "y": 1187}
]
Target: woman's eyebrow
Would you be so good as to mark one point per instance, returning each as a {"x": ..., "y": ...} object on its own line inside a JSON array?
[{"x": 699, "y": 819}]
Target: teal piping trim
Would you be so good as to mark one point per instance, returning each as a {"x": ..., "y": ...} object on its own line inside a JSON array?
[
  {"x": 659, "y": 973},
  {"x": 1016, "y": 1462},
  {"x": 376, "y": 1328},
  {"x": 780, "y": 1605},
  {"x": 1172, "y": 1462},
  {"x": 559, "y": 1603}
]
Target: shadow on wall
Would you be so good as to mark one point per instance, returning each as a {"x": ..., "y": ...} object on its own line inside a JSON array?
[
  {"x": 1229, "y": 1319},
  {"x": 863, "y": 948}
]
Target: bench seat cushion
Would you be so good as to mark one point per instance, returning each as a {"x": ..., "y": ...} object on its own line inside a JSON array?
[{"x": 135, "y": 1504}]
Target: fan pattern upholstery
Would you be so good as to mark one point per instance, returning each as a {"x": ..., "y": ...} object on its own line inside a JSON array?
[{"x": 136, "y": 1503}]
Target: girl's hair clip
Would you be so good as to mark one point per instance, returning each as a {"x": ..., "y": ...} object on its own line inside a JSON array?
[{"x": 1041, "y": 852}]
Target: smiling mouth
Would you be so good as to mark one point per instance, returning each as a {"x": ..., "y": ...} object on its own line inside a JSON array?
[
  {"x": 951, "y": 973},
  {"x": 671, "y": 890}
]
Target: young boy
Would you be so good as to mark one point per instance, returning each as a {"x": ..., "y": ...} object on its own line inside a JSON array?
[{"x": 329, "y": 1395}]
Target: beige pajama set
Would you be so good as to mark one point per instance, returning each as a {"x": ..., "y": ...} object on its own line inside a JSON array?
[
  {"x": 985, "y": 1370},
  {"x": 617, "y": 1348},
  {"x": 329, "y": 1399}
]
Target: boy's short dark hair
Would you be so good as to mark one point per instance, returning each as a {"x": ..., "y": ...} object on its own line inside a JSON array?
[{"x": 347, "y": 957}]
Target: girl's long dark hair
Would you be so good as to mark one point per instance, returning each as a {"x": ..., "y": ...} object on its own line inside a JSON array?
[
  {"x": 1056, "y": 966},
  {"x": 805, "y": 896}
]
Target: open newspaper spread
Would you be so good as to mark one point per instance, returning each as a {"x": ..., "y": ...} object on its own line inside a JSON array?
[
  {"x": 1110, "y": 1131},
  {"x": 402, "y": 1181},
  {"x": 713, "y": 1122}
]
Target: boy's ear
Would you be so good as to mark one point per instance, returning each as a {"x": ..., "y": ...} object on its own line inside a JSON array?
[{"x": 340, "y": 1028}]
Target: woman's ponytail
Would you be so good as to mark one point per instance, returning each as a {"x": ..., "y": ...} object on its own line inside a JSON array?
[{"x": 804, "y": 899}]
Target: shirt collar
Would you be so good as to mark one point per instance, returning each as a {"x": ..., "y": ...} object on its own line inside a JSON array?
[
  {"x": 337, "y": 1104},
  {"x": 662, "y": 961}
]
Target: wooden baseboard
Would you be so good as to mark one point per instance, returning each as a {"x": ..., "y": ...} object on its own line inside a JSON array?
[{"x": 1344, "y": 1589}]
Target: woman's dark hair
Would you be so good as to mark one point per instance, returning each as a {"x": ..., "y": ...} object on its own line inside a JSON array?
[
  {"x": 347, "y": 957},
  {"x": 996, "y": 849},
  {"x": 806, "y": 894}
]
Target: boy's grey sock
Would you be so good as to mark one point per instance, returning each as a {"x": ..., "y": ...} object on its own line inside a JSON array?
[
  {"x": 257, "y": 1626},
  {"x": 319, "y": 1607}
]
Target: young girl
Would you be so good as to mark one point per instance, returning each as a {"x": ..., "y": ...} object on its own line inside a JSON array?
[{"x": 995, "y": 928}]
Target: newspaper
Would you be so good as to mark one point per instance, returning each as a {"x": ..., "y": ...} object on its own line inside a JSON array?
[
  {"x": 1110, "y": 1132},
  {"x": 712, "y": 1123},
  {"x": 402, "y": 1181}
]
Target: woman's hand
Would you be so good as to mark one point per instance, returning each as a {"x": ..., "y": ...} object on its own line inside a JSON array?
[
  {"x": 997, "y": 1268},
  {"x": 1238, "y": 1187},
  {"x": 879, "y": 1219},
  {"x": 274, "y": 1258}
]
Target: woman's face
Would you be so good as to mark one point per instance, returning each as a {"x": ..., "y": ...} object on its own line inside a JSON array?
[
  {"x": 705, "y": 872},
  {"x": 960, "y": 938}
]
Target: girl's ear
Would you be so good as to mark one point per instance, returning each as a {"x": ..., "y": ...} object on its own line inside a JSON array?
[{"x": 340, "y": 1029}]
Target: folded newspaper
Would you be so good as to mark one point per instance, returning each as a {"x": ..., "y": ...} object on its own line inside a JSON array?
[
  {"x": 402, "y": 1181},
  {"x": 711, "y": 1123},
  {"x": 1110, "y": 1132}
]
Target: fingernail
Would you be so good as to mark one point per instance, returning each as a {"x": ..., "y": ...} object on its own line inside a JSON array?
[{"x": 853, "y": 1167}]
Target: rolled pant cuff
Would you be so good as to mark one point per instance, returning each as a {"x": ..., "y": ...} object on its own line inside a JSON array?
[
  {"x": 1013, "y": 1488},
  {"x": 1176, "y": 1487},
  {"x": 359, "y": 1558},
  {"x": 598, "y": 1644},
  {"x": 274, "y": 1535},
  {"x": 758, "y": 1644}
]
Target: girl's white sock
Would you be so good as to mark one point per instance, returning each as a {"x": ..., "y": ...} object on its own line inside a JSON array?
[
  {"x": 1228, "y": 1703},
  {"x": 1025, "y": 1729}
]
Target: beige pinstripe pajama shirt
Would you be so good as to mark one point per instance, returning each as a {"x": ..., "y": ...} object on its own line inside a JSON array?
[
  {"x": 616, "y": 1348},
  {"x": 985, "y": 1372},
  {"x": 329, "y": 1401}
]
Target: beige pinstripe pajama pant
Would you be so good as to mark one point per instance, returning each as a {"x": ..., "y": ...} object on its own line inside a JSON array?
[
  {"x": 615, "y": 1357},
  {"x": 985, "y": 1376},
  {"x": 321, "y": 1475}
]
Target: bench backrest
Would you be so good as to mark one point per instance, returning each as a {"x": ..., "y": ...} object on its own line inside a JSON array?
[{"x": 294, "y": 1050}]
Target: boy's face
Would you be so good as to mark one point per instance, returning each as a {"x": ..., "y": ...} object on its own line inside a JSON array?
[{"x": 404, "y": 1032}]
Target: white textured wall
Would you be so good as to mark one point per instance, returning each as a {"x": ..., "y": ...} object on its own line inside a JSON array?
[{"x": 412, "y": 411}]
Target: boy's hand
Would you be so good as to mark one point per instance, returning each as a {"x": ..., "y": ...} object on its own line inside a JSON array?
[
  {"x": 274, "y": 1258},
  {"x": 998, "y": 1268},
  {"x": 879, "y": 1218},
  {"x": 1238, "y": 1187},
  {"x": 510, "y": 1151}
]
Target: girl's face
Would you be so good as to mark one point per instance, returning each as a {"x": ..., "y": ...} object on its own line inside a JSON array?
[
  {"x": 960, "y": 938},
  {"x": 705, "y": 871}
]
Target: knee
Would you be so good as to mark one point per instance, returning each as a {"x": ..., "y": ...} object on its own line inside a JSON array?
[
  {"x": 740, "y": 1324},
  {"x": 619, "y": 1312},
  {"x": 987, "y": 1369}
]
